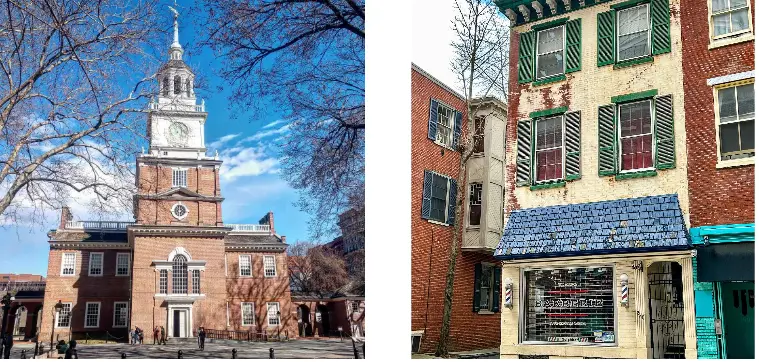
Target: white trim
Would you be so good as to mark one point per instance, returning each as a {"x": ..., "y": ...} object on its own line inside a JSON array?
[
  {"x": 715, "y": 95},
  {"x": 173, "y": 210},
  {"x": 58, "y": 315},
  {"x": 279, "y": 319},
  {"x": 227, "y": 314},
  {"x": 735, "y": 163},
  {"x": 179, "y": 250},
  {"x": 252, "y": 311},
  {"x": 173, "y": 176},
  {"x": 652, "y": 132},
  {"x": 129, "y": 264},
  {"x": 239, "y": 265},
  {"x": 563, "y": 148},
  {"x": 729, "y": 38},
  {"x": 226, "y": 268},
  {"x": 730, "y": 41},
  {"x": 730, "y": 78},
  {"x": 63, "y": 264},
  {"x": 126, "y": 318},
  {"x": 563, "y": 51},
  {"x": 86, "y": 310},
  {"x": 102, "y": 263},
  {"x": 275, "y": 266}
]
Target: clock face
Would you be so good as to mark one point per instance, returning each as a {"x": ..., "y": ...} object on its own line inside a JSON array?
[{"x": 178, "y": 134}]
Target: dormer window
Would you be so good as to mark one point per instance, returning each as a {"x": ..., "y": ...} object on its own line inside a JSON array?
[
  {"x": 179, "y": 177},
  {"x": 177, "y": 84}
]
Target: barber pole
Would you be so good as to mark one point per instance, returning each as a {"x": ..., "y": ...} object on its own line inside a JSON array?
[
  {"x": 507, "y": 303},
  {"x": 625, "y": 295}
]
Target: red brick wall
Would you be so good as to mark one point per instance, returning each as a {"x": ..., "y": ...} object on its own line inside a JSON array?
[
  {"x": 430, "y": 243},
  {"x": 717, "y": 196},
  {"x": 80, "y": 289}
]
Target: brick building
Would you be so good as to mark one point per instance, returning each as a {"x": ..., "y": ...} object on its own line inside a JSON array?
[
  {"x": 27, "y": 292},
  {"x": 718, "y": 67},
  {"x": 177, "y": 265},
  {"x": 438, "y": 116},
  {"x": 596, "y": 251}
]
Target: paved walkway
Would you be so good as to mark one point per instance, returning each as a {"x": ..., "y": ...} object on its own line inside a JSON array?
[{"x": 218, "y": 349}]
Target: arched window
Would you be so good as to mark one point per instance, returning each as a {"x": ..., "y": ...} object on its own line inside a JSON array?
[
  {"x": 179, "y": 275},
  {"x": 188, "y": 87},
  {"x": 177, "y": 84},
  {"x": 166, "y": 86}
]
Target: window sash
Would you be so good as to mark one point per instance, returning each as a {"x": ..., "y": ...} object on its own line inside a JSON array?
[
  {"x": 96, "y": 264},
  {"x": 92, "y": 315},
  {"x": 445, "y": 122},
  {"x": 741, "y": 152},
  {"x": 68, "y": 264},
  {"x": 120, "y": 314},
  {"x": 63, "y": 318},
  {"x": 196, "y": 281},
  {"x": 620, "y": 34},
  {"x": 475, "y": 203},
  {"x": 561, "y": 50},
  {"x": 549, "y": 149},
  {"x": 163, "y": 282},
  {"x": 271, "y": 312},
  {"x": 636, "y": 136},
  {"x": 122, "y": 264},
  {"x": 270, "y": 266},
  {"x": 444, "y": 200},
  {"x": 179, "y": 178},
  {"x": 730, "y": 13},
  {"x": 245, "y": 266},
  {"x": 247, "y": 314},
  {"x": 179, "y": 275}
]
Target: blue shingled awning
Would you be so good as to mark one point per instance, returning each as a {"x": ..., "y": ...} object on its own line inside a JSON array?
[{"x": 652, "y": 223}]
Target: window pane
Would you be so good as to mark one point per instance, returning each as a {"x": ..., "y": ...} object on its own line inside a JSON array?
[
  {"x": 745, "y": 101},
  {"x": 549, "y": 133},
  {"x": 727, "y": 107},
  {"x": 550, "y": 64},
  {"x": 635, "y": 118},
  {"x": 747, "y": 135},
  {"x": 633, "y": 20},
  {"x": 719, "y": 5},
  {"x": 439, "y": 187},
  {"x": 735, "y": 4},
  {"x": 549, "y": 164},
  {"x": 551, "y": 40},
  {"x": 721, "y": 24},
  {"x": 729, "y": 138},
  {"x": 633, "y": 45},
  {"x": 739, "y": 20}
]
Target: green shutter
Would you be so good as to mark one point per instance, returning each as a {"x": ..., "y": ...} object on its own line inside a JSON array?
[
  {"x": 574, "y": 45},
  {"x": 496, "y": 289},
  {"x": 524, "y": 152},
  {"x": 660, "y": 41},
  {"x": 477, "y": 277},
  {"x": 607, "y": 140},
  {"x": 664, "y": 129},
  {"x": 572, "y": 143},
  {"x": 526, "y": 56},
  {"x": 606, "y": 38}
]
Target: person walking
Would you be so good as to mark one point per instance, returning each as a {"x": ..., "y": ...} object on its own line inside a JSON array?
[
  {"x": 202, "y": 339},
  {"x": 8, "y": 342},
  {"x": 163, "y": 335},
  {"x": 132, "y": 336},
  {"x": 71, "y": 351},
  {"x": 141, "y": 336},
  {"x": 156, "y": 332}
]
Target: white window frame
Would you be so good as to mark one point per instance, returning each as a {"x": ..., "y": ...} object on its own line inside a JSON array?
[
  {"x": 102, "y": 263},
  {"x": 86, "y": 314},
  {"x": 618, "y": 108},
  {"x": 563, "y": 148},
  {"x": 447, "y": 195},
  {"x": 715, "y": 89},
  {"x": 563, "y": 51},
  {"x": 648, "y": 30},
  {"x": 63, "y": 264},
  {"x": 128, "y": 266},
  {"x": 438, "y": 124},
  {"x": 239, "y": 265},
  {"x": 126, "y": 317},
  {"x": 192, "y": 281},
  {"x": 58, "y": 315},
  {"x": 177, "y": 173},
  {"x": 274, "y": 257},
  {"x": 469, "y": 203},
  {"x": 268, "y": 312},
  {"x": 173, "y": 211},
  {"x": 164, "y": 292},
  {"x": 252, "y": 312},
  {"x": 735, "y": 34}
]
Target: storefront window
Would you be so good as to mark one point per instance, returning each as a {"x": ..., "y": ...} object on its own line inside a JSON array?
[{"x": 569, "y": 305}]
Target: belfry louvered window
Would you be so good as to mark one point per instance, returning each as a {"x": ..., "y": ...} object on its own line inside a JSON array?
[
  {"x": 548, "y": 148},
  {"x": 548, "y": 51},
  {"x": 636, "y": 133},
  {"x": 631, "y": 33},
  {"x": 179, "y": 275}
]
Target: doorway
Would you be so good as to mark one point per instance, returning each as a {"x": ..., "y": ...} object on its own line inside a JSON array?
[
  {"x": 666, "y": 308},
  {"x": 322, "y": 317},
  {"x": 304, "y": 317},
  {"x": 737, "y": 303},
  {"x": 179, "y": 323}
]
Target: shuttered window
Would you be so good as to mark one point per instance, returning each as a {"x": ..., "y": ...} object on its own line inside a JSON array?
[
  {"x": 548, "y": 53},
  {"x": 487, "y": 286},
  {"x": 550, "y": 57},
  {"x": 444, "y": 124},
  {"x": 439, "y": 198},
  {"x": 636, "y": 135},
  {"x": 631, "y": 33},
  {"x": 548, "y": 149}
]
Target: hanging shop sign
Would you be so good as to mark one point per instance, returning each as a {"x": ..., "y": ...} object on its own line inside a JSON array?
[{"x": 569, "y": 305}]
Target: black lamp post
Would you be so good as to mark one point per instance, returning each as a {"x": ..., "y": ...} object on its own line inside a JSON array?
[
  {"x": 8, "y": 298},
  {"x": 279, "y": 324},
  {"x": 56, "y": 310}
]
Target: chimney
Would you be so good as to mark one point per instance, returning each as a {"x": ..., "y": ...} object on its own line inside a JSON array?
[
  {"x": 270, "y": 216},
  {"x": 65, "y": 217}
]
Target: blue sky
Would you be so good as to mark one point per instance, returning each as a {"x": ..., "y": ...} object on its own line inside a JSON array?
[{"x": 250, "y": 179}]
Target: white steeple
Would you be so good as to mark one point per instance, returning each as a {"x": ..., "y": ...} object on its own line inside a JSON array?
[{"x": 175, "y": 51}]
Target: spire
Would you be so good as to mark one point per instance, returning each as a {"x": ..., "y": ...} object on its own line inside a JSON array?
[{"x": 175, "y": 51}]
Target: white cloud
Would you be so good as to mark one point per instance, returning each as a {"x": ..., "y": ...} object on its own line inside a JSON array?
[
  {"x": 249, "y": 161},
  {"x": 221, "y": 141},
  {"x": 272, "y": 124},
  {"x": 264, "y": 134}
]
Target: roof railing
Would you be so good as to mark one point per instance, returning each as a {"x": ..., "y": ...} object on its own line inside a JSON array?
[
  {"x": 100, "y": 225},
  {"x": 249, "y": 228}
]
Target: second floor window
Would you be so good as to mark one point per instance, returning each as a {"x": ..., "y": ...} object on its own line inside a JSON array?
[
  {"x": 479, "y": 135},
  {"x": 68, "y": 263},
  {"x": 438, "y": 198},
  {"x": 736, "y": 121},
  {"x": 179, "y": 275},
  {"x": 550, "y": 57},
  {"x": 96, "y": 264},
  {"x": 245, "y": 266},
  {"x": 549, "y": 148},
  {"x": 633, "y": 26},
  {"x": 636, "y": 135},
  {"x": 729, "y": 17},
  {"x": 445, "y": 123},
  {"x": 270, "y": 266},
  {"x": 122, "y": 264},
  {"x": 475, "y": 203},
  {"x": 179, "y": 178}
]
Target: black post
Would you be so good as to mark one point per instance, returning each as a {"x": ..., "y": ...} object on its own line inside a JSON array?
[
  {"x": 23, "y": 354},
  {"x": 36, "y": 346},
  {"x": 363, "y": 350},
  {"x": 6, "y": 307},
  {"x": 123, "y": 355},
  {"x": 179, "y": 354},
  {"x": 271, "y": 353},
  {"x": 355, "y": 350},
  {"x": 234, "y": 353}
]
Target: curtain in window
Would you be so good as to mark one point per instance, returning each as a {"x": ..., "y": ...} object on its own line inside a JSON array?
[
  {"x": 635, "y": 131},
  {"x": 633, "y": 32}
]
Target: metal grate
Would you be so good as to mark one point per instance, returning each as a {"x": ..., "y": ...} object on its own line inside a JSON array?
[
  {"x": 667, "y": 310},
  {"x": 179, "y": 275},
  {"x": 570, "y": 305}
]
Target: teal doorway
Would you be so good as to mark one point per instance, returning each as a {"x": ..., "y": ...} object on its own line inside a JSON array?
[{"x": 737, "y": 307}]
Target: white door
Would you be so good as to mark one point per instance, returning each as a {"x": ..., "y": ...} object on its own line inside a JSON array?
[{"x": 182, "y": 324}]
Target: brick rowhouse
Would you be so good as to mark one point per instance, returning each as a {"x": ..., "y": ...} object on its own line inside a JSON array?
[
  {"x": 178, "y": 266},
  {"x": 430, "y": 239},
  {"x": 719, "y": 62}
]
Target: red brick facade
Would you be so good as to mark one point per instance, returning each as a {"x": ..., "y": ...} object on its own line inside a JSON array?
[
  {"x": 430, "y": 242},
  {"x": 717, "y": 195}
]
